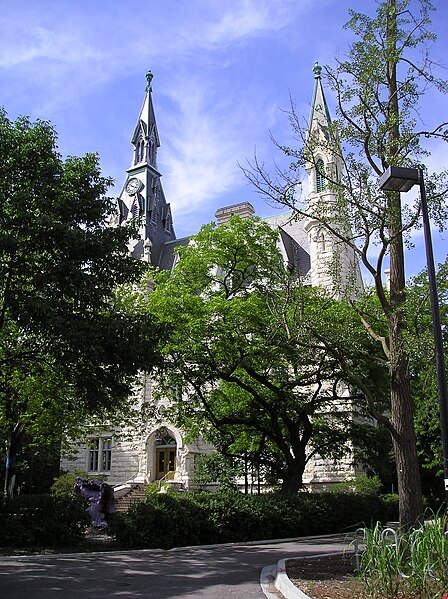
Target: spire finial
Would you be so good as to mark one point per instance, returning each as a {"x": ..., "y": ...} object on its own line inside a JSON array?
[
  {"x": 317, "y": 70},
  {"x": 149, "y": 77}
]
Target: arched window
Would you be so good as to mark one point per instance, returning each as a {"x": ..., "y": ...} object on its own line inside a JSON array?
[{"x": 320, "y": 175}]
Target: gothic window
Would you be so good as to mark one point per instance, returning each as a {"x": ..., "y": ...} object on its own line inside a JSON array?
[
  {"x": 100, "y": 454},
  {"x": 139, "y": 150},
  {"x": 152, "y": 156},
  {"x": 168, "y": 224},
  {"x": 168, "y": 220},
  {"x": 320, "y": 175},
  {"x": 155, "y": 199},
  {"x": 142, "y": 150},
  {"x": 164, "y": 437},
  {"x": 135, "y": 209}
]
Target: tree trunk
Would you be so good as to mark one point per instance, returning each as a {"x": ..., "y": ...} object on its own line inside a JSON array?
[
  {"x": 292, "y": 480},
  {"x": 402, "y": 420},
  {"x": 13, "y": 442},
  {"x": 405, "y": 450},
  {"x": 402, "y": 417}
]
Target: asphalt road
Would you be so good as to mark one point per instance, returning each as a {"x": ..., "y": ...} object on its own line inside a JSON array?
[{"x": 220, "y": 571}]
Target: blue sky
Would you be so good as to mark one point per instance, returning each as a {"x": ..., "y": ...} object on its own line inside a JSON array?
[{"x": 223, "y": 72}]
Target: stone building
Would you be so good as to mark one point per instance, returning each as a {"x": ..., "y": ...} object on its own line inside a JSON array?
[{"x": 158, "y": 450}]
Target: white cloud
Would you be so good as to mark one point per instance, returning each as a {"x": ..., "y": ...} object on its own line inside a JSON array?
[
  {"x": 247, "y": 18},
  {"x": 200, "y": 155},
  {"x": 41, "y": 43}
]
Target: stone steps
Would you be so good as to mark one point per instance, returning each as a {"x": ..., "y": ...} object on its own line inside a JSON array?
[{"x": 135, "y": 494}]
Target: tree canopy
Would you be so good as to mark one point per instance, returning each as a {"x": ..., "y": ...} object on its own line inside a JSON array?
[
  {"x": 244, "y": 363},
  {"x": 68, "y": 345},
  {"x": 378, "y": 87}
]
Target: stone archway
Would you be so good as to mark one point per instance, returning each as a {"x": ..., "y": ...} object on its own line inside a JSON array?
[{"x": 162, "y": 453}]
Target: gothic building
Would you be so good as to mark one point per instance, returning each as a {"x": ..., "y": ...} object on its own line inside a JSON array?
[{"x": 158, "y": 450}]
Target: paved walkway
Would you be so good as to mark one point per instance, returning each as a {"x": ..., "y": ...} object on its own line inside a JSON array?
[{"x": 219, "y": 571}]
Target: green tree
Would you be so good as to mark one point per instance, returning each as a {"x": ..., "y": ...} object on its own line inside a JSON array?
[
  {"x": 423, "y": 370},
  {"x": 378, "y": 89},
  {"x": 252, "y": 376},
  {"x": 68, "y": 343}
]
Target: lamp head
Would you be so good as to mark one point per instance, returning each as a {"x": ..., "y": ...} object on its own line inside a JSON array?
[{"x": 398, "y": 178}]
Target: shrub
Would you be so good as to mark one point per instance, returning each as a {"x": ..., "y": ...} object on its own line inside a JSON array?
[
  {"x": 64, "y": 484},
  {"x": 179, "y": 519},
  {"x": 361, "y": 484},
  {"x": 42, "y": 521},
  {"x": 161, "y": 521}
]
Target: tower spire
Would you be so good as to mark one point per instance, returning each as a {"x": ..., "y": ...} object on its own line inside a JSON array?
[
  {"x": 319, "y": 114},
  {"x": 334, "y": 265},
  {"x": 145, "y": 138},
  {"x": 142, "y": 195}
]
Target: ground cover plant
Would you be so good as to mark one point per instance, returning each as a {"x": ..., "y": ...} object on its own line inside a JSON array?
[{"x": 410, "y": 565}]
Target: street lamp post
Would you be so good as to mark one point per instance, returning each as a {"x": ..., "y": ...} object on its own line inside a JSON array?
[{"x": 403, "y": 179}]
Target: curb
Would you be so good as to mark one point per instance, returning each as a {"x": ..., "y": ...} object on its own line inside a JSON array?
[{"x": 282, "y": 582}]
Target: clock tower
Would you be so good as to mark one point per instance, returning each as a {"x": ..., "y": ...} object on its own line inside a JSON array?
[{"x": 142, "y": 195}]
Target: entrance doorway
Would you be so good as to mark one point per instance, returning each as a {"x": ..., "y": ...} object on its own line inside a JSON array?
[
  {"x": 166, "y": 450},
  {"x": 166, "y": 461}
]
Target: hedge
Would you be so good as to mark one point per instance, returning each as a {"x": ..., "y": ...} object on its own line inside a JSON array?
[
  {"x": 42, "y": 521},
  {"x": 182, "y": 519}
]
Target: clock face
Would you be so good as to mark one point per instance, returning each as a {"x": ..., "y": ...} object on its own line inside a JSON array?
[{"x": 133, "y": 186}]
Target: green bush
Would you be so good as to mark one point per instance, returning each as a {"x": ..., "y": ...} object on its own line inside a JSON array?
[
  {"x": 180, "y": 519},
  {"x": 361, "y": 484},
  {"x": 64, "y": 484},
  {"x": 42, "y": 521},
  {"x": 161, "y": 521}
]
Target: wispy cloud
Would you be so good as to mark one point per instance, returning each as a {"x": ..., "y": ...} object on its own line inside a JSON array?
[
  {"x": 200, "y": 154},
  {"x": 40, "y": 43}
]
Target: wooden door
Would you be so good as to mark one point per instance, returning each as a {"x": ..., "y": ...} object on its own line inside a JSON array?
[{"x": 165, "y": 461}]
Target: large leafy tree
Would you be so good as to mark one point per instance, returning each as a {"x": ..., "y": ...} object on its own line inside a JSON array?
[
  {"x": 243, "y": 362},
  {"x": 378, "y": 87},
  {"x": 68, "y": 345}
]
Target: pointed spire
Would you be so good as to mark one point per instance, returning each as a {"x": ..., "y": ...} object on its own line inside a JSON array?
[
  {"x": 145, "y": 137},
  {"x": 319, "y": 109}
]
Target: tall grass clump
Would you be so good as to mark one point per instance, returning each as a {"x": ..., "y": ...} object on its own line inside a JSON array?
[
  {"x": 414, "y": 564},
  {"x": 427, "y": 565},
  {"x": 381, "y": 563}
]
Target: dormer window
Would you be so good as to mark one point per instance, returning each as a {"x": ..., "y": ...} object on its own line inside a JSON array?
[{"x": 320, "y": 175}]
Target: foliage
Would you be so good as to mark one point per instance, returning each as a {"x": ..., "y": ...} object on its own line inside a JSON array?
[
  {"x": 64, "y": 484},
  {"x": 378, "y": 87},
  {"x": 424, "y": 382},
  {"x": 361, "y": 484},
  {"x": 414, "y": 563},
  {"x": 234, "y": 517},
  {"x": 42, "y": 521},
  {"x": 217, "y": 468},
  {"x": 246, "y": 357},
  {"x": 68, "y": 345}
]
